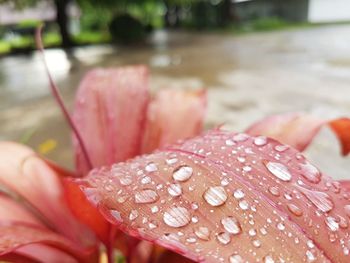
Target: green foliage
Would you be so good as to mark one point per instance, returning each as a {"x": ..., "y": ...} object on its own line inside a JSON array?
[
  {"x": 127, "y": 29},
  {"x": 270, "y": 23},
  {"x": 91, "y": 38}
]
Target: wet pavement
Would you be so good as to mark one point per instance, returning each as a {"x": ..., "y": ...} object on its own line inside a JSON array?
[{"x": 247, "y": 77}]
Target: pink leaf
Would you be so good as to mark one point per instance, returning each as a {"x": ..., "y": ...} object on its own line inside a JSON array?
[
  {"x": 173, "y": 115},
  {"x": 224, "y": 196},
  {"x": 298, "y": 129},
  {"x": 110, "y": 114}
]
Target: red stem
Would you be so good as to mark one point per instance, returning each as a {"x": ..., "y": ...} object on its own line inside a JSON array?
[{"x": 56, "y": 94}]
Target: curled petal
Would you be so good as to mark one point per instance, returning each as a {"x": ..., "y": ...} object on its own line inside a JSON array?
[
  {"x": 173, "y": 115},
  {"x": 225, "y": 196},
  {"x": 110, "y": 114},
  {"x": 341, "y": 127},
  {"x": 298, "y": 129}
]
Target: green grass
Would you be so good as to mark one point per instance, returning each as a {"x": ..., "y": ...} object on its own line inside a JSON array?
[
  {"x": 267, "y": 24},
  {"x": 50, "y": 39}
]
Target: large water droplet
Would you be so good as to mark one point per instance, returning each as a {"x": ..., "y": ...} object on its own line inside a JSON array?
[
  {"x": 310, "y": 173},
  {"x": 236, "y": 259},
  {"x": 295, "y": 210},
  {"x": 321, "y": 200},
  {"x": 231, "y": 225},
  {"x": 151, "y": 167},
  {"x": 202, "y": 233},
  {"x": 177, "y": 216},
  {"x": 223, "y": 238},
  {"x": 175, "y": 189},
  {"x": 146, "y": 196},
  {"x": 279, "y": 170},
  {"x": 215, "y": 195},
  {"x": 332, "y": 224},
  {"x": 182, "y": 173}
]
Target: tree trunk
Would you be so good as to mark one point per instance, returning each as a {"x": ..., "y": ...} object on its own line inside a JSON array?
[{"x": 62, "y": 20}]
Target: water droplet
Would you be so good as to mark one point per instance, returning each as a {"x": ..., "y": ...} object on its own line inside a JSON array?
[
  {"x": 236, "y": 259},
  {"x": 231, "y": 225},
  {"x": 152, "y": 225},
  {"x": 260, "y": 141},
  {"x": 194, "y": 206},
  {"x": 224, "y": 238},
  {"x": 175, "y": 189},
  {"x": 229, "y": 142},
  {"x": 177, "y": 216},
  {"x": 151, "y": 167},
  {"x": 281, "y": 226},
  {"x": 238, "y": 194},
  {"x": 154, "y": 209},
  {"x": 252, "y": 232},
  {"x": 274, "y": 190},
  {"x": 146, "y": 196},
  {"x": 240, "y": 137},
  {"x": 310, "y": 256},
  {"x": 281, "y": 148},
  {"x": 243, "y": 205},
  {"x": 224, "y": 182},
  {"x": 268, "y": 259},
  {"x": 215, "y": 195},
  {"x": 146, "y": 180},
  {"x": 256, "y": 243},
  {"x": 295, "y": 210},
  {"x": 263, "y": 231},
  {"x": 310, "y": 173},
  {"x": 191, "y": 240},
  {"x": 332, "y": 224},
  {"x": 279, "y": 170},
  {"x": 116, "y": 215},
  {"x": 194, "y": 219},
  {"x": 125, "y": 181},
  {"x": 171, "y": 161},
  {"x": 202, "y": 233},
  {"x": 133, "y": 215},
  {"x": 247, "y": 168},
  {"x": 321, "y": 200},
  {"x": 182, "y": 173},
  {"x": 310, "y": 244}
]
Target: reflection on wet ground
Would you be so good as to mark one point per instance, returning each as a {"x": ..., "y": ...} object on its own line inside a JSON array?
[{"x": 247, "y": 76}]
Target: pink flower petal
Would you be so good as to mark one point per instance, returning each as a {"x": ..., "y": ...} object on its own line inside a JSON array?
[
  {"x": 173, "y": 115},
  {"x": 225, "y": 195},
  {"x": 110, "y": 114},
  {"x": 29, "y": 177},
  {"x": 298, "y": 129},
  {"x": 14, "y": 236}
]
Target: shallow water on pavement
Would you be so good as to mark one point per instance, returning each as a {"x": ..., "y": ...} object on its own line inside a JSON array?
[{"x": 247, "y": 77}]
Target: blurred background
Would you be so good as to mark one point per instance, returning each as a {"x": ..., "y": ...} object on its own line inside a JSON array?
[{"x": 255, "y": 58}]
